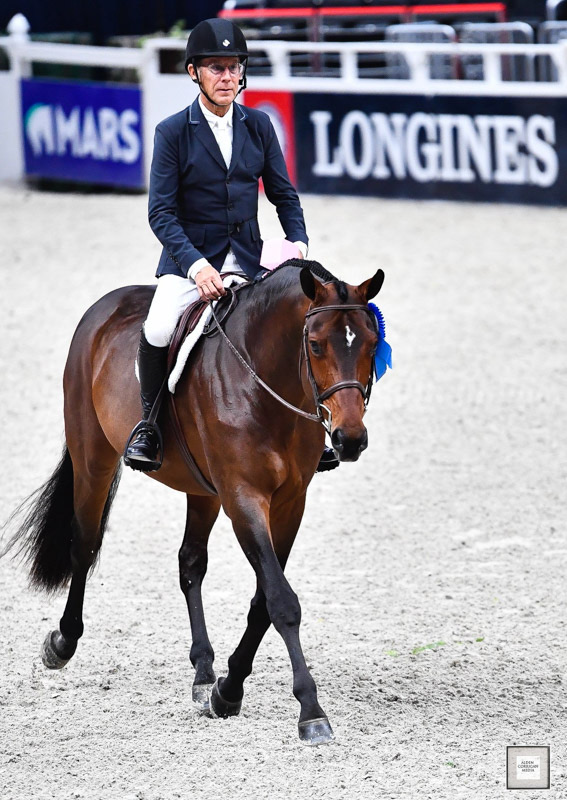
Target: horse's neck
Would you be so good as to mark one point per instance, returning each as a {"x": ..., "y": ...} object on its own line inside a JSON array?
[
  {"x": 280, "y": 310},
  {"x": 273, "y": 317}
]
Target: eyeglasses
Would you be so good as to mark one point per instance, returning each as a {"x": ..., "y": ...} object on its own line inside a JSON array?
[{"x": 217, "y": 69}]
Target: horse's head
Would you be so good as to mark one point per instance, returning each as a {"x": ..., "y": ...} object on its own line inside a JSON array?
[{"x": 339, "y": 342}]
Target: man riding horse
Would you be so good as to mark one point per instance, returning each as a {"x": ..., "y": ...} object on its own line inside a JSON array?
[
  {"x": 250, "y": 417},
  {"x": 203, "y": 203}
]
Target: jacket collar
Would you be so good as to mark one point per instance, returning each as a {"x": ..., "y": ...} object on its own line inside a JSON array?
[
  {"x": 239, "y": 134},
  {"x": 204, "y": 133}
]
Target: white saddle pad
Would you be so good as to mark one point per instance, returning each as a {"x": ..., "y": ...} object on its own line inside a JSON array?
[{"x": 191, "y": 340}]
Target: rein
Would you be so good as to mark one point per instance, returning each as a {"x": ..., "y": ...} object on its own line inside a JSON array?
[
  {"x": 240, "y": 357},
  {"x": 318, "y": 397}
]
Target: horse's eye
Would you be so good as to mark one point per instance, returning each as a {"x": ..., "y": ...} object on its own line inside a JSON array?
[{"x": 315, "y": 347}]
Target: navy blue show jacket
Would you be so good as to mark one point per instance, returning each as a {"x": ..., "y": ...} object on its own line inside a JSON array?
[{"x": 199, "y": 208}]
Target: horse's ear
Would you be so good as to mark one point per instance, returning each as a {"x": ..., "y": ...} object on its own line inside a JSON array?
[
  {"x": 371, "y": 287},
  {"x": 308, "y": 283}
]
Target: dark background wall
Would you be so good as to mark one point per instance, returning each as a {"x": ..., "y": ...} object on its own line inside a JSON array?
[
  {"x": 105, "y": 18},
  {"x": 529, "y": 10}
]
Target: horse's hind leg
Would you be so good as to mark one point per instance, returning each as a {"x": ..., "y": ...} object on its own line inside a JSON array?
[
  {"x": 227, "y": 695},
  {"x": 201, "y": 515},
  {"x": 93, "y": 493}
]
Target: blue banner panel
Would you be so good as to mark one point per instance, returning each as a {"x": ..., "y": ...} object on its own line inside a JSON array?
[
  {"x": 84, "y": 132},
  {"x": 440, "y": 147}
]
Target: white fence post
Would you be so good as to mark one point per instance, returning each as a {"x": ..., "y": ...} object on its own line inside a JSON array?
[
  {"x": 418, "y": 63},
  {"x": 492, "y": 68},
  {"x": 18, "y": 30},
  {"x": 12, "y": 151},
  {"x": 279, "y": 59},
  {"x": 560, "y": 61},
  {"x": 349, "y": 65}
]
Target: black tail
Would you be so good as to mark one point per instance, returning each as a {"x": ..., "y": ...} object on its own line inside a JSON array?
[{"x": 44, "y": 537}]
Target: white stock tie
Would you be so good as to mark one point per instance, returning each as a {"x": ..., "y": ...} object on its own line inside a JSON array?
[{"x": 224, "y": 139}]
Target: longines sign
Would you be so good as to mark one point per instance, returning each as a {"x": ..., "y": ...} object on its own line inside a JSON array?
[{"x": 477, "y": 148}]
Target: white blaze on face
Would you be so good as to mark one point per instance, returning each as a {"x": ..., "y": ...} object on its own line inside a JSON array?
[{"x": 350, "y": 336}]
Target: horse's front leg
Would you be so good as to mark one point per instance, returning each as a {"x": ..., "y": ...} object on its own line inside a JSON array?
[
  {"x": 274, "y": 602},
  {"x": 284, "y": 523},
  {"x": 201, "y": 515}
]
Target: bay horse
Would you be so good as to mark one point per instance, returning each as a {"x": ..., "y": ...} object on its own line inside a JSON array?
[{"x": 311, "y": 339}]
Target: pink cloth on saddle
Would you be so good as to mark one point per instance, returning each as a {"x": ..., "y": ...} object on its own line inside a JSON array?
[{"x": 276, "y": 251}]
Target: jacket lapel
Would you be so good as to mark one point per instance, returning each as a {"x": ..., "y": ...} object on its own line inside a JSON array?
[
  {"x": 204, "y": 133},
  {"x": 239, "y": 134}
]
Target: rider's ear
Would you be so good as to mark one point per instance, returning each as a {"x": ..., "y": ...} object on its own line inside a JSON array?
[
  {"x": 371, "y": 287},
  {"x": 192, "y": 72},
  {"x": 308, "y": 283}
]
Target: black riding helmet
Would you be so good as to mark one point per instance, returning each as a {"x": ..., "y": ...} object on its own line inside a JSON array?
[{"x": 216, "y": 37}]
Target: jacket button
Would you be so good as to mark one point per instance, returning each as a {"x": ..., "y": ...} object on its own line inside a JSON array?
[{"x": 230, "y": 206}]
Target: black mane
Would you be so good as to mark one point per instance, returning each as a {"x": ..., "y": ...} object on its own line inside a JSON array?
[{"x": 317, "y": 269}]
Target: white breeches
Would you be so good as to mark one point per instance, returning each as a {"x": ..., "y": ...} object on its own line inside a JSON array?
[{"x": 172, "y": 296}]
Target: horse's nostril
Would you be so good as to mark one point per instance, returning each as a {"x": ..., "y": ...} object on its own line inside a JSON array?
[{"x": 337, "y": 439}]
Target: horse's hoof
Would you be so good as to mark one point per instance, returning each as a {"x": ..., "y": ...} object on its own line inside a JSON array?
[
  {"x": 201, "y": 695},
  {"x": 221, "y": 707},
  {"x": 316, "y": 731},
  {"x": 56, "y": 650}
]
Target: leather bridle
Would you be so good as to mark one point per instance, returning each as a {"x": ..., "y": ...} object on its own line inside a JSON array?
[{"x": 318, "y": 397}]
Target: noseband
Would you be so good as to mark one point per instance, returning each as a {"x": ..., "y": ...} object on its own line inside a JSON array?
[{"x": 318, "y": 397}]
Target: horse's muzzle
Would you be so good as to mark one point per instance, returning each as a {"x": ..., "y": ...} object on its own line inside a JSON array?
[{"x": 349, "y": 447}]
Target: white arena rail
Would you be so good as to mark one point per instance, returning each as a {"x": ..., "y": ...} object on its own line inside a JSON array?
[
  {"x": 163, "y": 94},
  {"x": 417, "y": 55}
]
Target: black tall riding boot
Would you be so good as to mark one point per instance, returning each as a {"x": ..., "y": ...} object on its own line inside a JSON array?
[
  {"x": 328, "y": 460},
  {"x": 143, "y": 449}
]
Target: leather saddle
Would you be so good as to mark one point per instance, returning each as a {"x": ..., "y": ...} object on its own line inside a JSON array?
[{"x": 191, "y": 316}]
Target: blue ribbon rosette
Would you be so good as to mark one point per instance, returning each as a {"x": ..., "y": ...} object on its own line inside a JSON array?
[{"x": 383, "y": 356}]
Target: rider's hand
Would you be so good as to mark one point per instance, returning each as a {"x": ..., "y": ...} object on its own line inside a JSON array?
[
  {"x": 209, "y": 283},
  {"x": 301, "y": 246}
]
